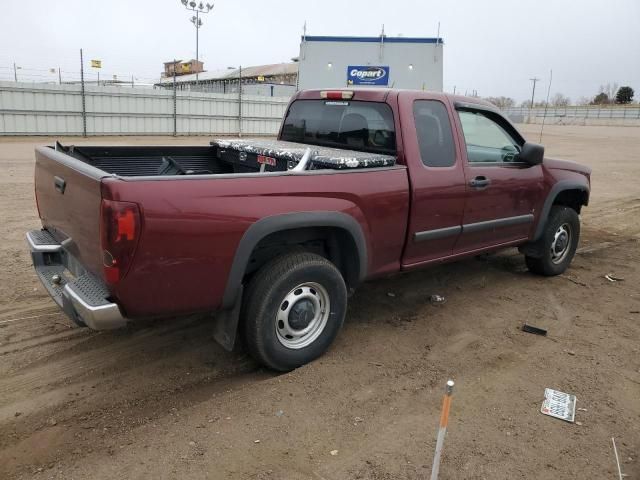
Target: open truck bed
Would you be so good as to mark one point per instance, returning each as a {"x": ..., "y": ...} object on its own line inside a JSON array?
[{"x": 223, "y": 156}]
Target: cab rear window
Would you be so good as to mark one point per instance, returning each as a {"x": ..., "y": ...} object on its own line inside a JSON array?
[{"x": 353, "y": 125}]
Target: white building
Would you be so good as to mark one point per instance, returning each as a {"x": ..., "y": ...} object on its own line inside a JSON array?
[{"x": 399, "y": 62}]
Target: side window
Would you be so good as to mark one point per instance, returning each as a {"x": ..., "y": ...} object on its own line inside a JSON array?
[
  {"x": 487, "y": 141},
  {"x": 435, "y": 137}
]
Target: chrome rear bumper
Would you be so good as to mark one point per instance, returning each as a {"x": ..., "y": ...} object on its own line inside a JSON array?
[{"x": 82, "y": 296}]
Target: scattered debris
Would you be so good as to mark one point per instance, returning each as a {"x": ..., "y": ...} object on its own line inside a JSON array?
[
  {"x": 192, "y": 443},
  {"x": 534, "y": 330},
  {"x": 582, "y": 409},
  {"x": 279, "y": 413},
  {"x": 376, "y": 364},
  {"x": 52, "y": 421},
  {"x": 17, "y": 414},
  {"x": 570, "y": 352},
  {"x": 334, "y": 452},
  {"x": 256, "y": 441},
  {"x": 391, "y": 294},
  {"x": 612, "y": 278},
  {"x": 437, "y": 299},
  {"x": 573, "y": 280},
  {"x": 559, "y": 405},
  {"x": 579, "y": 424}
]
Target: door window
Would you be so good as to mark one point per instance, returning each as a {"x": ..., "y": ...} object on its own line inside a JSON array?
[
  {"x": 435, "y": 137},
  {"x": 487, "y": 141}
]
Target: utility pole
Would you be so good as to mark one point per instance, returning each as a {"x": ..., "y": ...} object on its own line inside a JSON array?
[
  {"x": 197, "y": 21},
  {"x": 15, "y": 72},
  {"x": 59, "y": 76},
  {"x": 533, "y": 92}
]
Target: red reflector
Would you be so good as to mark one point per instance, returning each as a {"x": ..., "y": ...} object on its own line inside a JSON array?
[
  {"x": 111, "y": 275},
  {"x": 119, "y": 234}
]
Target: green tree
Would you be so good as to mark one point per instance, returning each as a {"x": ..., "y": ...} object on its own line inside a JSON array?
[
  {"x": 624, "y": 95},
  {"x": 600, "y": 99}
]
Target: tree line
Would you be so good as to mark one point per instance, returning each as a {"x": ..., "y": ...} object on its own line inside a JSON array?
[{"x": 607, "y": 95}]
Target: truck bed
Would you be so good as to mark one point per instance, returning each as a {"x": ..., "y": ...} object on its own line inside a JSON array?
[{"x": 223, "y": 156}]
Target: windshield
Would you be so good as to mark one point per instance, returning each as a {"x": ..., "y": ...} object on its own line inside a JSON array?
[{"x": 352, "y": 125}]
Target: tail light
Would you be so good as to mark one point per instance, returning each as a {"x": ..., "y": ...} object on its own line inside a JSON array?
[
  {"x": 337, "y": 94},
  {"x": 119, "y": 235}
]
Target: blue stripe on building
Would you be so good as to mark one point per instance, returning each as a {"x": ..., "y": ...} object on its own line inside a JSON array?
[{"x": 309, "y": 38}]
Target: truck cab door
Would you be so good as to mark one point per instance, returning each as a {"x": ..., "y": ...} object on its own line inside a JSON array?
[
  {"x": 436, "y": 178},
  {"x": 503, "y": 194}
]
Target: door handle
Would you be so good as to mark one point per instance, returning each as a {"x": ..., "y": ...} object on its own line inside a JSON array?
[
  {"x": 480, "y": 182},
  {"x": 60, "y": 184}
]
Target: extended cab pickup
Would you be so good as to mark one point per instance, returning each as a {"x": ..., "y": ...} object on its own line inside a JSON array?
[{"x": 274, "y": 234}]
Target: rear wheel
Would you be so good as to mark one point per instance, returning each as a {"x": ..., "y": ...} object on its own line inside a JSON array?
[
  {"x": 294, "y": 308},
  {"x": 558, "y": 244}
]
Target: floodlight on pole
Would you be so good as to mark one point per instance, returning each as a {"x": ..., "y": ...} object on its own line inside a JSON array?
[{"x": 200, "y": 8}]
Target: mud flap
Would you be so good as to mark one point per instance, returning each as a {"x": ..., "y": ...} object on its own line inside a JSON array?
[
  {"x": 226, "y": 323},
  {"x": 532, "y": 249}
]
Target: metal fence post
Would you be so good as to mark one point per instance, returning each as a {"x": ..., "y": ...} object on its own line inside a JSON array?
[
  {"x": 240, "y": 101},
  {"x": 175, "y": 101},
  {"x": 84, "y": 104}
]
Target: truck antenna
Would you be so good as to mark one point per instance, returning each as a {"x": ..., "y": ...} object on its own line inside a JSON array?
[{"x": 546, "y": 105}]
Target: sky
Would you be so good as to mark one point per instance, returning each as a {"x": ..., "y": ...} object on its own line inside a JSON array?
[{"x": 491, "y": 46}]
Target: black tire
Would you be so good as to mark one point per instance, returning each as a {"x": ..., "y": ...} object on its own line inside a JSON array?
[
  {"x": 544, "y": 262},
  {"x": 266, "y": 296}
]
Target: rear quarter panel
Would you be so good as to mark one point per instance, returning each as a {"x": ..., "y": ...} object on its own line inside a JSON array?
[{"x": 192, "y": 227}]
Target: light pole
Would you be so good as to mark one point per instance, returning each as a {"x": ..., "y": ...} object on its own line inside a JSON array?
[{"x": 196, "y": 20}]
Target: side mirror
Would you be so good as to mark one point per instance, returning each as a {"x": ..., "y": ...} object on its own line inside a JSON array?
[{"x": 531, "y": 153}]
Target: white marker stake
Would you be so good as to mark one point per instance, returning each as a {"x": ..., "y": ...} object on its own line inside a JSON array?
[
  {"x": 444, "y": 420},
  {"x": 615, "y": 450}
]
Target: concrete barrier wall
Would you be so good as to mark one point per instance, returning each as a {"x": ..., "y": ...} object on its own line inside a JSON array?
[{"x": 41, "y": 109}]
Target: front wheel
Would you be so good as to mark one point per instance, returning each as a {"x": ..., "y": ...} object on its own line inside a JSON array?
[
  {"x": 558, "y": 243},
  {"x": 295, "y": 306}
]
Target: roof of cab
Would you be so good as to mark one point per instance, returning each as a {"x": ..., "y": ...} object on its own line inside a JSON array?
[{"x": 380, "y": 95}]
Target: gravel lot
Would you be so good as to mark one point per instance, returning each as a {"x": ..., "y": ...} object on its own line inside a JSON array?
[{"x": 162, "y": 400}]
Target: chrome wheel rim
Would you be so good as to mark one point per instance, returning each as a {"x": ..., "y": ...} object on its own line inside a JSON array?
[
  {"x": 561, "y": 243},
  {"x": 302, "y": 315}
]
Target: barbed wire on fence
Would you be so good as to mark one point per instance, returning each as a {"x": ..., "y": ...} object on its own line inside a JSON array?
[{"x": 22, "y": 73}]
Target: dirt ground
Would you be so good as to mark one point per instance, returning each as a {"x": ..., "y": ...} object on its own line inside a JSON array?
[{"x": 162, "y": 400}]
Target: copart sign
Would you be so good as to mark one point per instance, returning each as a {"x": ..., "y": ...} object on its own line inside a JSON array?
[{"x": 367, "y": 75}]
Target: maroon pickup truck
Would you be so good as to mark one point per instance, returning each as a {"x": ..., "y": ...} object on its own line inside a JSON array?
[{"x": 274, "y": 235}]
